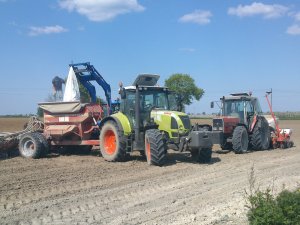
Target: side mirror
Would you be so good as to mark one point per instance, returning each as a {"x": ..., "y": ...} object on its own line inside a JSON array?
[
  {"x": 122, "y": 93},
  {"x": 212, "y": 105}
]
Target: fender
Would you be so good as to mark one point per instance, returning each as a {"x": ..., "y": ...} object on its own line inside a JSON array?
[
  {"x": 255, "y": 119},
  {"x": 121, "y": 120}
]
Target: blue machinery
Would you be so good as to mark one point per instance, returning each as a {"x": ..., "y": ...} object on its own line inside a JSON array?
[{"x": 86, "y": 73}]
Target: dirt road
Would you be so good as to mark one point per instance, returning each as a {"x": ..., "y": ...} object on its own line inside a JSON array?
[{"x": 87, "y": 190}]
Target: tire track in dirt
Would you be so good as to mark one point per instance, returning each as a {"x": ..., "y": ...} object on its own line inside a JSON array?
[{"x": 168, "y": 184}]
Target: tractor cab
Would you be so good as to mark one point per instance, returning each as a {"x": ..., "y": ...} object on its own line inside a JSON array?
[
  {"x": 151, "y": 99},
  {"x": 157, "y": 105},
  {"x": 241, "y": 106}
]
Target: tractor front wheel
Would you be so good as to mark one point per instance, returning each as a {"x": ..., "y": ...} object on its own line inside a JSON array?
[
  {"x": 155, "y": 150},
  {"x": 240, "y": 140},
  {"x": 112, "y": 144}
]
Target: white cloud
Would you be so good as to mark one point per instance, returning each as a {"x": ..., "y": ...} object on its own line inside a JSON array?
[
  {"x": 35, "y": 31},
  {"x": 257, "y": 8},
  {"x": 101, "y": 10},
  {"x": 198, "y": 16},
  {"x": 293, "y": 30}
]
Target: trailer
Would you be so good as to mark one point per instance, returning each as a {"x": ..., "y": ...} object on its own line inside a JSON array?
[
  {"x": 10, "y": 140},
  {"x": 68, "y": 125}
]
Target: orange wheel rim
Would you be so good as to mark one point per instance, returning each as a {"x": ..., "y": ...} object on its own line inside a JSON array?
[
  {"x": 148, "y": 151},
  {"x": 110, "y": 142}
]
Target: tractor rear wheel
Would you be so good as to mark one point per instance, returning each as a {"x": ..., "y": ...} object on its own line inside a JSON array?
[
  {"x": 44, "y": 142},
  {"x": 240, "y": 140},
  {"x": 30, "y": 146},
  {"x": 202, "y": 155},
  {"x": 155, "y": 150},
  {"x": 112, "y": 142},
  {"x": 261, "y": 135}
]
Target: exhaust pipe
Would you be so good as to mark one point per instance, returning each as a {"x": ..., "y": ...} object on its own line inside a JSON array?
[{"x": 138, "y": 136}]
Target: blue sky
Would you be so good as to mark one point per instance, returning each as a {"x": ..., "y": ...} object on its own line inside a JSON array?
[{"x": 226, "y": 46}]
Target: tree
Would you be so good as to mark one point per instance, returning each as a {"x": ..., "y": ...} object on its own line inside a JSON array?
[
  {"x": 84, "y": 94},
  {"x": 40, "y": 112},
  {"x": 85, "y": 97},
  {"x": 184, "y": 88}
]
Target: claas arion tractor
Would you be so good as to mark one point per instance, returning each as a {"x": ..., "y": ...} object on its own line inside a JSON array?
[
  {"x": 147, "y": 122},
  {"x": 241, "y": 124}
]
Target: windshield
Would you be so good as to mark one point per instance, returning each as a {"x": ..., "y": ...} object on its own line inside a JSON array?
[
  {"x": 257, "y": 107},
  {"x": 154, "y": 99},
  {"x": 149, "y": 100},
  {"x": 172, "y": 102},
  {"x": 239, "y": 108},
  {"x": 232, "y": 107}
]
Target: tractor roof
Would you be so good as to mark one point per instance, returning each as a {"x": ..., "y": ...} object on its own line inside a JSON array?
[
  {"x": 146, "y": 80},
  {"x": 146, "y": 88},
  {"x": 239, "y": 96}
]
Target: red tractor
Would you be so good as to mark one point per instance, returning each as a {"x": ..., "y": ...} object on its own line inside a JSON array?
[{"x": 241, "y": 124}]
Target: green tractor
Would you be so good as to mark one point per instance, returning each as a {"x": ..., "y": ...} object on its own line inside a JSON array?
[{"x": 148, "y": 122}]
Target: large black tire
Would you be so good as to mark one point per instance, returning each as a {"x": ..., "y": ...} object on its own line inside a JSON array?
[
  {"x": 261, "y": 135},
  {"x": 202, "y": 155},
  {"x": 155, "y": 148},
  {"x": 112, "y": 142},
  {"x": 30, "y": 146},
  {"x": 240, "y": 140},
  {"x": 44, "y": 142}
]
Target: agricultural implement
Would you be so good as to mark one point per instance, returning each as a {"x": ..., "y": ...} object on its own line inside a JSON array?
[
  {"x": 10, "y": 140},
  {"x": 280, "y": 138},
  {"x": 69, "y": 125}
]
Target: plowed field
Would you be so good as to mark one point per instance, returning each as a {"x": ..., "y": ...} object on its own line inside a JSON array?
[{"x": 76, "y": 189}]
